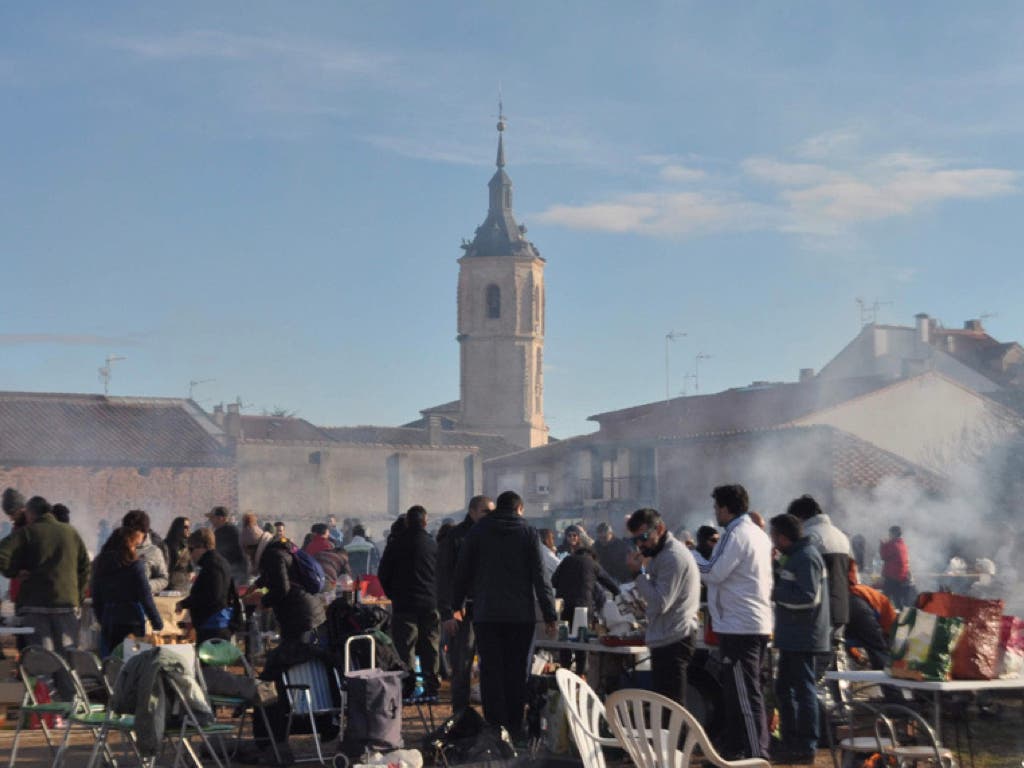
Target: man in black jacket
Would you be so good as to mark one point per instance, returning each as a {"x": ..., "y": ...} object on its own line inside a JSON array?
[
  {"x": 500, "y": 566},
  {"x": 211, "y": 601},
  {"x": 408, "y": 574},
  {"x": 458, "y": 619}
]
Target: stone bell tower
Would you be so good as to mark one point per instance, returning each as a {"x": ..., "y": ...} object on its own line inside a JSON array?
[{"x": 501, "y": 323}]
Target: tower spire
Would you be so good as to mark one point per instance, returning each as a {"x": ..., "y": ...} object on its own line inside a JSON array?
[{"x": 500, "y": 162}]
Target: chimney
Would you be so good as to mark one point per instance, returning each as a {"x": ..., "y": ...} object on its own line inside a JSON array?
[
  {"x": 218, "y": 414},
  {"x": 924, "y": 327},
  {"x": 973, "y": 325},
  {"x": 806, "y": 374},
  {"x": 233, "y": 421},
  {"x": 433, "y": 429}
]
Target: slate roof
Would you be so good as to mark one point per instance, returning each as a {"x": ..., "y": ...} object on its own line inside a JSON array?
[
  {"x": 95, "y": 430},
  {"x": 280, "y": 428},
  {"x": 758, "y": 406},
  {"x": 489, "y": 446}
]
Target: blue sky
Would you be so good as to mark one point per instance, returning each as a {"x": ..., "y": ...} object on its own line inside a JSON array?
[{"x": 272, "y": 195}]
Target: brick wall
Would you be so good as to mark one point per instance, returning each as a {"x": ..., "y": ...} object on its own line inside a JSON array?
[{"x": 93, "y": 493}]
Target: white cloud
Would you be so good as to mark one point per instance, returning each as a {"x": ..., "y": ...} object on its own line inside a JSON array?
[
  {"x": 680, "y": 173},
  {"x": 826, "y": 144},
  {"x": 660, "y": 215},
  {"x": 784, "y": 174},
  {"x": 905, "y": 274}
]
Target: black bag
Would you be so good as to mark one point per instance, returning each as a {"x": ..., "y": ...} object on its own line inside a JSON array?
[
  {"x": 374, "y": 710},
  {"x": 466, "y": 737}
]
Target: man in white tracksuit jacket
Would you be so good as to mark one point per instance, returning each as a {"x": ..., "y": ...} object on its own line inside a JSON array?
[{"x": 738, "y": 576}]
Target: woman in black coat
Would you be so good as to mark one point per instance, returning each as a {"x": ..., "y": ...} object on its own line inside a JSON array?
[
  {"x": 121, "y": 597},
  {"x": 576, "y": 581},
  {"x": 179, "y": 564},
  {"x": 211, "y": 602}
]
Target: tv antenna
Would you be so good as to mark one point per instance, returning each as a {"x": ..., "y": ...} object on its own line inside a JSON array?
[
  {"x": 195, "y": 383},
  {"x": 670, "y": 336},
  {"x": 869, "y": 312},
  {"x": 106, "y": 371},
  {"x": 696, "y": 369}
]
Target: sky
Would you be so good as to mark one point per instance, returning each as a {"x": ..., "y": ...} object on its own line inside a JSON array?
[{"x": 268, "y": 198}]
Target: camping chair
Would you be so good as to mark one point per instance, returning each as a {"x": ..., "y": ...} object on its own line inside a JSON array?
[
  {"x": 649, "y": 726},
  {"x": 909, "y": 739},
  {"x": 312, "y": 688},
  {"x": 585, "y": 713},
  {"x": 35, "y": 665},
  {"x": 218, "y": 654}
]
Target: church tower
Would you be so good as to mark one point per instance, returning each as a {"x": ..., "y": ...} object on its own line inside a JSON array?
[{"x": 501, "y": 323}]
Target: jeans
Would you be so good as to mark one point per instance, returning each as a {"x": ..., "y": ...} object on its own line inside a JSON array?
[
  {"x": 797, "y": 699},
  {"x": 53, "y": 631},
  {"x": 420, "y": 632},
  {"x": 503, "y": 648},
  {"x": 746, "y": 730}
]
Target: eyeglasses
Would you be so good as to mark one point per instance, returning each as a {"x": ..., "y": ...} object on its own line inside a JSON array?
[{"x": 641, "y": 537}]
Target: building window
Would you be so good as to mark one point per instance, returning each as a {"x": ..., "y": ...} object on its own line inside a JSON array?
[
  {"x": 538, "y": 383},
  {"x": 542, "y": 483},
  {"x": 493, "y": 302}
]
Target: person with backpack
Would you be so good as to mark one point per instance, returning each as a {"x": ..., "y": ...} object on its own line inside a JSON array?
[{"x": 287, "y": 585}]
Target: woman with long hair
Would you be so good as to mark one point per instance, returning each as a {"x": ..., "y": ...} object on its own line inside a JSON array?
[
  {"x": 179, "y": 564},
  {"x": 121, "y": 596}
]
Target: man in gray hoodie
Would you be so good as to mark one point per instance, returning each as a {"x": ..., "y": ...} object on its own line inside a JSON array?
[{"x": 666, "y": 577}]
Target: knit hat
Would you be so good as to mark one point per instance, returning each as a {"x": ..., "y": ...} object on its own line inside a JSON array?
[{"x": 13, "y": 501}]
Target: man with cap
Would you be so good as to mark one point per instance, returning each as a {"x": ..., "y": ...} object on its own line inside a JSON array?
[
  {"x": 56, "y": 565},
  {"x": 229, "y": 543}
]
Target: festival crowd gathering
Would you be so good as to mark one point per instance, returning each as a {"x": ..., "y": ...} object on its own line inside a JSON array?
[{"x": 760, "y": 608}]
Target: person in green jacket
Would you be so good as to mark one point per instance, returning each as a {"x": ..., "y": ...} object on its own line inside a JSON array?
[{"x": 52, "y": 561}]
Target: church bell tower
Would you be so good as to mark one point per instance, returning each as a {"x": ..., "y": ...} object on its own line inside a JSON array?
[{"x": 501, "y": 323}]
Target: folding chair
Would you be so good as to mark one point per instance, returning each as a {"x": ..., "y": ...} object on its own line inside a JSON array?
[
  {"x": 89, "y": 669},
  {"x": 310, "y": 695},
  {"x": 218, "y": 654},
  {"x": 585, "y": 713},
  {"x": 39, "y": 665},
  {"x": 909, "y": 739},
  {"x": 193, "y": 725},
  {"x": 649, "y": 727}
]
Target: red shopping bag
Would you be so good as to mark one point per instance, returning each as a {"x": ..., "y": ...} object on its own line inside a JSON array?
[
  {"x": 42, "y": 694},
  {"x": 977, "y": 655},
  {"x": 1011, "y": 647}
]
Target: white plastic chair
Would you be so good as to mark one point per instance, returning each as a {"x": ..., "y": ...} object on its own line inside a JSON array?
[
  {"x": 585, "y": 713},
  {"x": 649, "y": 727}
]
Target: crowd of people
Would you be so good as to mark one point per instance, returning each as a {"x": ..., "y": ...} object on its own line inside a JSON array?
[{"x": 479, "y": 588}]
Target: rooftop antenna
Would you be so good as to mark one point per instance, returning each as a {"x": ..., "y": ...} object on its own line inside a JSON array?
[
  {"x": 869, "y": 312},
  {"x": 987, "y": 315},
  {"x": 696, "y": 369},
  {"x": 670, "y": 336},
  {"x": 105, "y": 371},
  {"x": 195, "y": 383}
]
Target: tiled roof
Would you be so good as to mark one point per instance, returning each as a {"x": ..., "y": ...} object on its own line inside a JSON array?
[
  {"x": 756, "y": 407},
  {"x": 860, "y": 465},
  {"x": 279, "y": 428},
  {"x": 94, "y": 430},
  {"x": 489, "y": 445}
]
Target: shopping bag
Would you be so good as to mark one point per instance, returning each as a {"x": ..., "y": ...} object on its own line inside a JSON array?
[
  {"x": 923, "y": 645},
  {"x": 977, "y": 654},
  {"x": 1011, "y": 647}
]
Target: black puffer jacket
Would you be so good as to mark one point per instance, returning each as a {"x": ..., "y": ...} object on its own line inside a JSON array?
[
  {"x": 212, "y": 590},
  {"x": 500, "y": 566},
  {"x": 296, "y": 610},
  {"x": 575, "y": 578},
  {"x": 408, "y": 572}
]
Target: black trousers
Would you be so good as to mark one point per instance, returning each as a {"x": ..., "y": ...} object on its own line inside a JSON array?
[
  {"x": 668, "y": 668},
  {"x": 461, "y": 650},
  {"x": 419, "y": 632},
  {"x": 503, "y": 648},
  {"x": 746, "y": 721}
]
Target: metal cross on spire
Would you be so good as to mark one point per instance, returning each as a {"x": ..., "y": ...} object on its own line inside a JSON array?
[{"x": 500, "y": 162}]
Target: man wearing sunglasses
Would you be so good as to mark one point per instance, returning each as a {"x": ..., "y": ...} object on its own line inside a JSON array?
[{"x": 666, "y": 577}]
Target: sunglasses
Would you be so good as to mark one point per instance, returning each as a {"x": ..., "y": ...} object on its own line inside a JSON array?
[{"x": 641, "y": 537}]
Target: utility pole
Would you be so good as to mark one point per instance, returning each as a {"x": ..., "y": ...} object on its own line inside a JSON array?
[
  {"x": 696, "y": 369},
  {"x": 105, "y": 371},
  {"x": 670, "y": 336}
]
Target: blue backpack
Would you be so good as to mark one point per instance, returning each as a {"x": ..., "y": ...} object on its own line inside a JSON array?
[{"x": 307, "y": 571}]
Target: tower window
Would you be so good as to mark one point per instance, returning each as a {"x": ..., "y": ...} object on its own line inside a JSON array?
[{"x": 493, "y": 302}]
